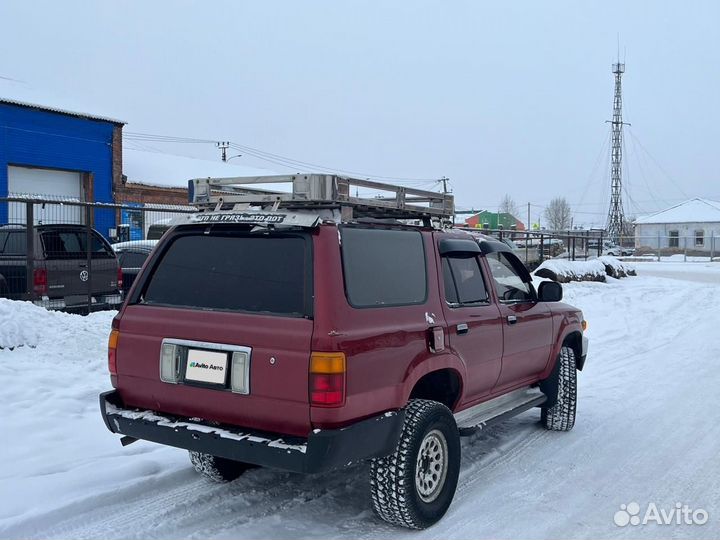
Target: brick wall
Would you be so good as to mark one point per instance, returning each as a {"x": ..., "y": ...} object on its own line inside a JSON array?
[{"x": 140, "y": 193}]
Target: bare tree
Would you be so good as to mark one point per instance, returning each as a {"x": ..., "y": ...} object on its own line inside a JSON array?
[
  {"x": 508, "y": 206},
  {"x": 558, "y": 214}
]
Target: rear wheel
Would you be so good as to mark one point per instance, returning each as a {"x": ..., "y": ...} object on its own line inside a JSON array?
[
  {"x": 560, "y": 416},
  {"x": 217, "y": 468},
  {"x": 414, "y": 486}
]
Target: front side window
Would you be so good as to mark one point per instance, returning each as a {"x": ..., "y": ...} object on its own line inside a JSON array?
[
  {"x": 464, "y": 284},
  {"x": 509, "y": 286},
  {"x": 383, "y": 267}
]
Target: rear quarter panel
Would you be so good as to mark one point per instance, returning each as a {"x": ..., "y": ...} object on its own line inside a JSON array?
[{"x": 386, "y": 348}]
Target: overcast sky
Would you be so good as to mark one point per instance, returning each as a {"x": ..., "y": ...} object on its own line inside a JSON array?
[{"x": 500, "y": 97}]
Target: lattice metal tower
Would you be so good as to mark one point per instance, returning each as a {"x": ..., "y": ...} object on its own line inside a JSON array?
[{"x": 616, "y": 215}]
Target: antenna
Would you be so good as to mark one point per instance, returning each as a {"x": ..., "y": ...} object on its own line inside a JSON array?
[{"x": 616, "y": 214}]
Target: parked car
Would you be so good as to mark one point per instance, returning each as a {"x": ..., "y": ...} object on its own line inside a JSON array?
[
  {"x": 292, "y": 341},
  {"x": 60, "y": 274},
  {"x": 131, "y": 257},
  {"x": 530, "y": 256},
  {"x": 617, "y": 251},
  {"x": 157, "y": 229}
]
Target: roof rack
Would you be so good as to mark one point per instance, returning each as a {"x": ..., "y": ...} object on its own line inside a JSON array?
[{"x": 315, "y": 191}]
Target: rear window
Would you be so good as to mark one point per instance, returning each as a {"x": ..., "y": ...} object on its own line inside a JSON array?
[
  {"x": 383, "y": 267},
  {"x": 71, "y": 244},
  {"x": 263, "y": 274},
  {"x": 132, "y": 259}
]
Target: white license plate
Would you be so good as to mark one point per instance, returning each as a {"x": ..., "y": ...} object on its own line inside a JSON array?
[{"x": 206, "y": 366}]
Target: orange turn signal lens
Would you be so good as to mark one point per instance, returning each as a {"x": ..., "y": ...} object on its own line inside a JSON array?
[
  {"x": 330, "y": 362},
  {"x": 584, "y": 325},
  {"x": 112, "y": 346}
]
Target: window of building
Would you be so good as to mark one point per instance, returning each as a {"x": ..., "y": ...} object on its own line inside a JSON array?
[
  {"x": 673, "y": 239},
  {"x": 699, "y": 238}
]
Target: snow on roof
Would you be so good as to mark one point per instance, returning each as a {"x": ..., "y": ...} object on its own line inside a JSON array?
[
  {"x": 695, "y": 210},
  {"x": 170, "y": 170},
  {"x": 25, "y": 95}
]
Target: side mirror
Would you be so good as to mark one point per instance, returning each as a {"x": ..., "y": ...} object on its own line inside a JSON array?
[{"x": 550, "y": 291}]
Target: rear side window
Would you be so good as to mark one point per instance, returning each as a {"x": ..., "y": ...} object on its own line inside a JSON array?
[
  {"x": 261, "y": 274},
  {"x": 383, "y": 267}
]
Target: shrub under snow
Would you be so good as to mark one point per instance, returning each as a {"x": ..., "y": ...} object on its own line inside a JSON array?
[{"x": 564, "y": 271}]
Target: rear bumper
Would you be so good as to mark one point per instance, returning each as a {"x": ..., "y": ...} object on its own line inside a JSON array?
[
  {"x": 322, "y": 450},
  {"x": 79, "y": 304}
]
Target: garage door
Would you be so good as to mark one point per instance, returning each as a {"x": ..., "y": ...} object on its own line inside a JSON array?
[{"x": 45, "y": 183}]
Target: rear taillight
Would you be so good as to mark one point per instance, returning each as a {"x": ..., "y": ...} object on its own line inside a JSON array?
[
  {"x": 112, "y": 351},
  {"x": 40, "y": 283},
  {"x": 119, "y": 278},
  {"x": 327, "y": 379}
]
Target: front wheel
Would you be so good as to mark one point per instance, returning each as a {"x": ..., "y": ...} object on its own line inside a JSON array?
[
  {"x": 414, "y": 486},
  {"x": 560, "y": 416}
]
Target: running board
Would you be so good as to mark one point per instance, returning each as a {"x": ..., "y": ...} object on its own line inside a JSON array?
[{"x": 498, "y": 409}]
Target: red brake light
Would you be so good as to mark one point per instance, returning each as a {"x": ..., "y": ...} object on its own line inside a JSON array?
[
  {"x": 119, "y": 278},
  {"x": 40, "y": 284},
  {"x": 327, "y": 379}
]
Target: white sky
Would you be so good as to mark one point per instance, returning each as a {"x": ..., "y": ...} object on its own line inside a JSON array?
[{"x": 500, "y": 97}]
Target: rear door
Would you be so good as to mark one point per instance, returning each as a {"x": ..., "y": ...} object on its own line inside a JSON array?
[
  {"x": 215, "y": 293},
  {"x": 473, "y": 321}
]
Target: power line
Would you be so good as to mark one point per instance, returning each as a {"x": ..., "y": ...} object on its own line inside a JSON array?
[{"x": 277, "y": 159}]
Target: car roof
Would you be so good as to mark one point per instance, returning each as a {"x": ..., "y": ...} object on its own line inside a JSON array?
[{"x": 135, "y": 245}]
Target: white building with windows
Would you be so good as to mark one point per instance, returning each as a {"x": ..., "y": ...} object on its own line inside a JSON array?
[{"x": 693, "y": 225}]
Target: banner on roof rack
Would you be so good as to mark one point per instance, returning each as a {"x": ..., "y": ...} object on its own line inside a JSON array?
[{"x": 287, "y": 219}]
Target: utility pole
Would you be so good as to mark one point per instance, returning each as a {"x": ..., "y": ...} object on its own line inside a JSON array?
[
  {"x": 528, "y": 222},
  {"x": 444, "y": 181},
  {"x": 616, "y": 214},
  {"x": 223, "y": 146}
]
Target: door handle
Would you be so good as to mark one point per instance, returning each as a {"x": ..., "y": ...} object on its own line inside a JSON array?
[
  {"x": 511, "y": 319},
  {"x": 462, "y": 328}
]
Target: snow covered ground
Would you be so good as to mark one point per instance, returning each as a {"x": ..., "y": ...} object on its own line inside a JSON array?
[{"x": 647, "y": 431}]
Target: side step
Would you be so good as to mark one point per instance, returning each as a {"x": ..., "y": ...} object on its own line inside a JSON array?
[{"x": 498, "y": 409}]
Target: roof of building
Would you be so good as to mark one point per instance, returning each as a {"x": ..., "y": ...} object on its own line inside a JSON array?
[
  {"x": 695, "y": 210},
  {"x": 25, "y": 95},
  {"x": 173, "y": 171}
]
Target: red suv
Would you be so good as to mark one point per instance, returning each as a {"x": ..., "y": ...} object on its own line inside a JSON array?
[{"x": 293, "y": 341}]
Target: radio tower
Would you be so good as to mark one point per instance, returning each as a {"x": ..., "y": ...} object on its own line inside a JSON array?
[{"x": 616, "y": 215}]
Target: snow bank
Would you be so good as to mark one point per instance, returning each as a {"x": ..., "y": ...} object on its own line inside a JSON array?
[
  {"x": 23, "y": 324},
  {"x": 565, "y": 271},
  {"x": 617, "y": 268}
]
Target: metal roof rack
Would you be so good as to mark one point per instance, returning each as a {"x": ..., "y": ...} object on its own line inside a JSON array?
[{"x": 316, "y": 191}]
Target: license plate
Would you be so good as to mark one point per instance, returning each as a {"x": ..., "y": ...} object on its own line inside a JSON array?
[{"x": 206, "y": 366}]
